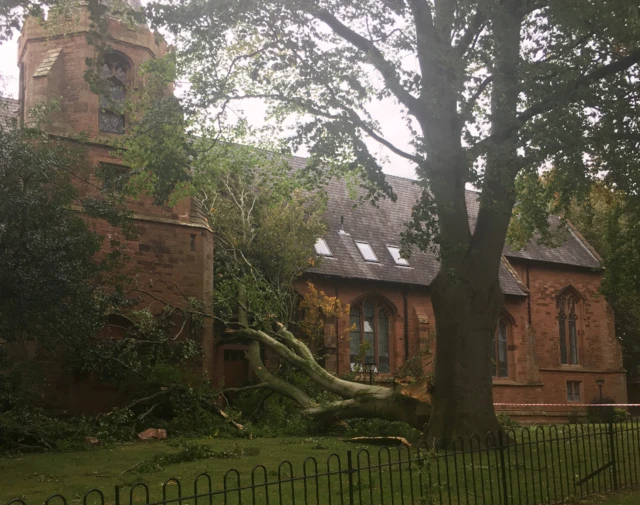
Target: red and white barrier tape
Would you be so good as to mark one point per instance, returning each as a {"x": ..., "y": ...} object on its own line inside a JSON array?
[{"x": 566, "y": 404}]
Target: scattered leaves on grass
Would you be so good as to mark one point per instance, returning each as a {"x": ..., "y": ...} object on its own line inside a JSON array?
[{"x": 191, "y": 452}]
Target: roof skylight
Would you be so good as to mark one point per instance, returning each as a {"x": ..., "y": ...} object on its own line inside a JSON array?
[
  {"x": 366, "y": 251},
  {"x": 395, "y": 254},
  {"x": 321, "y": 247}
]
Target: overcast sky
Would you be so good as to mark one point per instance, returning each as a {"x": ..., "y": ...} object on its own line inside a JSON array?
[{"x": 386, "y": 113}]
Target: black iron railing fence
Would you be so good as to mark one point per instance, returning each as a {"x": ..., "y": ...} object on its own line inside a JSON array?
[{"x": 528, "y": 466}]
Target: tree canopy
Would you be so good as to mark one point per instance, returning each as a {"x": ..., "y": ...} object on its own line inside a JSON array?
[
  {"x": 608, "y": 218},
  {"x": 51, "y": 275}
]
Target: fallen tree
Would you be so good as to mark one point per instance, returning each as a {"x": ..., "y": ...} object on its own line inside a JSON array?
[{"x": 409, "y": 403}]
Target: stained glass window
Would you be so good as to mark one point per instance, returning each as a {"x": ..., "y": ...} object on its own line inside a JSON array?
[
  {"x": 568, "y": 327},
  {"x": 383, "y": 342},
  {"x": 369, "y": 336},
  {"x": 114, "y": 177},
  {"x": 562, "y": 327},
  {"x": 354, "y": 338},
  {"x": 114, "y": 94},
  {"x": 499, "y": 350},
  {"x": 573, "y": 340}
]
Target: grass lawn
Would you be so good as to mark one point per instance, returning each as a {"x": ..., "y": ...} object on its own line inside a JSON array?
[
  {"x": 33, "y": 477},
  {"x": 631, "y": 497},
  {"x": 541, "y": 466}
]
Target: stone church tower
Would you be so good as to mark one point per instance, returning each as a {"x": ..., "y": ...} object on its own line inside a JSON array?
[{"x": 172, "y": 257}]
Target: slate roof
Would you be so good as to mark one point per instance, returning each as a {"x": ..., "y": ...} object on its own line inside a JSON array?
[
  {"x": 9, "y": 109},
  {"x": 381, "y": 226},
  {"x": 135, "y": 4},
  {"x": 574, "y": 251}
]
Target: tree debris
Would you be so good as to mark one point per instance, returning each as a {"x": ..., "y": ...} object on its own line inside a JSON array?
[
  {"x": 150, "y": 433},
  {"x": 385, "y": 441}
]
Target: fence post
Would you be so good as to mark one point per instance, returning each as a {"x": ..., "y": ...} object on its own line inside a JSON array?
[
  {"x": 350, "y": 476},
  {"x": 612, "y": 451},
  {"x": 503, "y": 468},
  {"x": 117, "y": 493}
]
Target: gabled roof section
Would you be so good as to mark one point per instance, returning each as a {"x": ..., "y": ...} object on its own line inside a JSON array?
[
  {"x": 9, "y": 110},
  {"x": 381, "y": 226},
  {"x": 575, "y": 250}
]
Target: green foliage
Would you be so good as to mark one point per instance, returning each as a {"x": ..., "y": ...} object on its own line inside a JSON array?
[
  {"x": 272, "y": 415},
  {"x": 597, "y": 414},
  {"x": 265, "y": 226},
  {"x": 609, "y": 218},
  {"x": 382, "y": 428},
  {"x": 415, "y": 367},
  {"x": 507, "y": 422},
  {"x": 51, "y": 276},
  {"x": 157, "y": 146},
  {"x": 263, "y": 214},
  {"x": 151, "y": 348},
  {"x": 185, "y": 407}
]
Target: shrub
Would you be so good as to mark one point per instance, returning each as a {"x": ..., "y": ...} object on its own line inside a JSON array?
[
  {"x": 598, "y": 414},
  {"x": 574, "y": 417},
  {"x": 620, "y": 415},
  {"x": 507, "y": 422}
]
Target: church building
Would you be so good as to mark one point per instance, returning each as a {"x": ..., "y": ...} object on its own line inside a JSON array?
[{"x": 555, "y": 336}]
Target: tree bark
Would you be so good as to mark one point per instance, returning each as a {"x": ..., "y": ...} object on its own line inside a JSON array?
[
  {"x": 405, "y": 403},
  {"x": 466, "y": 293},
  {"x": 388, "y": 403},
  {"x": 466, "y": 312}
]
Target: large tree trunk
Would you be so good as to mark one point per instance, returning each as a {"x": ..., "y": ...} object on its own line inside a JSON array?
[
  {"x": 466, "y": 315},
  {"x": 388, "y": 403},
  {"x": 466, "y": 293}
]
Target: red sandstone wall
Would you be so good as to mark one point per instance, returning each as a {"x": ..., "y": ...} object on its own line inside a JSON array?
[
  {"x": 349, "y": 291},
  {"x": 600, "y": 353},
  {"x": 172, "y": 256},
  {"x": 535, "y": 373}
]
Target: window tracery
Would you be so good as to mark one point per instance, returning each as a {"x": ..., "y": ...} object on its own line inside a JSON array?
[
  {"x": 369, "y": 336},
  {"x": 567, "y": 303},
  {"x": 499, "y": 350},
  {"x": 114, "y": 73}
]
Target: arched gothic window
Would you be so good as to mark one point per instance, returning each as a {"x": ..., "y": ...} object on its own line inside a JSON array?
[
  {"x": 369, "y": 336},
  {"x": 499, "y": 354},
  {"x": 114, "y": 72},
  {"x": 568, "y": 303}
]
